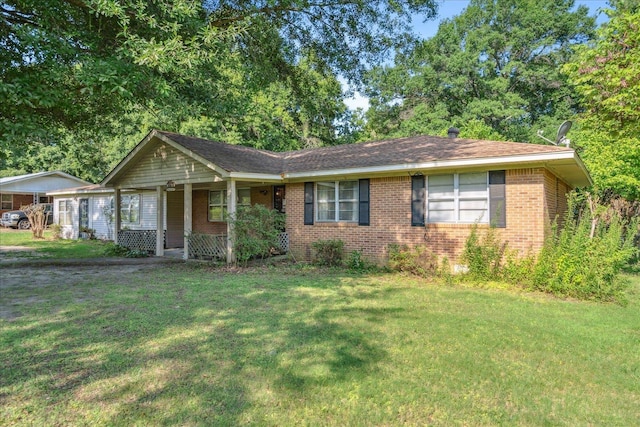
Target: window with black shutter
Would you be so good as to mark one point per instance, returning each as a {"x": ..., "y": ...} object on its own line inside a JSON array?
[
  {"x": 417, "y": 200},
  {"x": 363, "y": 205}
]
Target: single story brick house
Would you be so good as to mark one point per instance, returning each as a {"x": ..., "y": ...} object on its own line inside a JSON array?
[
  {"x": 415, "y": 190},
  {"x": 21, "y": 190}
]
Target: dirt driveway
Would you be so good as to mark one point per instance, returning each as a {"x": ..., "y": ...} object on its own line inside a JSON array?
[{"x": 21, "y": 275}]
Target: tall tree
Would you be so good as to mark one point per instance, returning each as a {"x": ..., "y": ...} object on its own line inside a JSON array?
[
  {"x": 493, "y": 71},
  {"x": 606, "y": 74},
  {"x": 78, "y": 65}
]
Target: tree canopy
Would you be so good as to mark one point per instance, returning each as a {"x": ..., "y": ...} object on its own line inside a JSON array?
[
  {"x": 257, "y": 72},
  {"x": 606, "y": 75},
  {"x": 493, "y": 71}
]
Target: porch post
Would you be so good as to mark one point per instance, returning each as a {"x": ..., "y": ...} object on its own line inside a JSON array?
[
  {"x": 188, "y": 217},
  {"x": 231, "y": 211},
  {"x": 116, "y": 214},
  {"x": 160, "y": 221}
]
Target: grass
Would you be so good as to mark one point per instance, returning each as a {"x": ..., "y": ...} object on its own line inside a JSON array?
[
  {"x": 190, "y": 345},
  {"x": 50, "y": 247}
]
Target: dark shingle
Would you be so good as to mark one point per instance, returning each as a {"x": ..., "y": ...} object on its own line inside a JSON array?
[
  {"x": 417, "y": 149},
  {"x": 232, "y": 158}
]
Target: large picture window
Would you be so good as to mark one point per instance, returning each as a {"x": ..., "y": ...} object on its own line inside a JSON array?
[
  {"x": 64, "y": 212},
  {"x": 458, "y": 198},
  {"x": 218, "y": 203},
  {"x": 337, "y": 201}
]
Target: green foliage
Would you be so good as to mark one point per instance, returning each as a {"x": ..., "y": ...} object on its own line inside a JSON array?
[
  {"x": 75, "y": 73},
  {"x": 255, "y": 232},
  {"x": 116, "y": 250},
  {"x": 605, "y": 76},
  {"x": 329, "y": 253},
  {"x": 493, "y": 71},
  {"x": 483, "y": 255},
  {"x": 418, "y": 260},
  {"x": 357, "y": 263},
  {"x": 585, "y": 257}
]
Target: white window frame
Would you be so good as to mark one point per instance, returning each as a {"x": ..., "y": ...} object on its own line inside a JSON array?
[
  {"x": 457, "y": 198},
  {"x": 337, "y": 201},
  {"x": 223, "y": 204},
  {"x": 3, "y": 202},
  {"x": 125, "y": 208},
  {"x": 65, "y": 216}
]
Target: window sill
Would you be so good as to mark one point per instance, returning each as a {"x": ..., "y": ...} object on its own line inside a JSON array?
[
  {"x": 336, "y": 224},
  {"x": 436, "y": 225}
]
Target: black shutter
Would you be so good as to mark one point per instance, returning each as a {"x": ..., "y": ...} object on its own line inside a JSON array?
[
  {"x": 363, "y": 207},
  {"x": 497, "y": 199},
  {"x": 308, "y": 203},
  {"x": 417, "y": 201}
]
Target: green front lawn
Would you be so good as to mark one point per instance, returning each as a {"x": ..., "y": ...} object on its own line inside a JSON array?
[
  {"x": 189, "y": 345},
  {"x": 49, "y": 247}
]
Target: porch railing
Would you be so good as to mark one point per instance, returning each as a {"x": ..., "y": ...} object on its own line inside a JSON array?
[
  {"x": 140, "y": 240},
  {"x": 203, "y": 246},
  {"x": 208, "y": 246}
]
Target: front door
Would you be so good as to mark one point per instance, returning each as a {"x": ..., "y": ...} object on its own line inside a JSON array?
[
  {"x": 279, "y": 203},
  {"x": 175, "y": 219},
  {"x": 83, "y": 214}
]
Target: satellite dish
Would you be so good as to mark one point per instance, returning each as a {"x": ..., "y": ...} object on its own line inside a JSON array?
[{"x": 561, "y": 138}]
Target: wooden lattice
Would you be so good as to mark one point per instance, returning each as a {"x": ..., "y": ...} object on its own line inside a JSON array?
[
  {"x": 283, "y": 242},
  {"x": 140, "y": 240},
  {"x": 207, "y": 246}
]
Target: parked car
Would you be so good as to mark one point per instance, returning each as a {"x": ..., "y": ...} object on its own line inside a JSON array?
[{"x": 18, "y": 219}]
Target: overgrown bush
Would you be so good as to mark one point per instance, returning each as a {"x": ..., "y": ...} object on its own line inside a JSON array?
[
  {"x": 584, "y": 258},
  {"x": 256, "y": 232},
  {"x": 418, "y": 260},
  {"x": 356, "y": 262},
  {"x": 328, "y": 253},
  {"x": 483, "y": 255}
]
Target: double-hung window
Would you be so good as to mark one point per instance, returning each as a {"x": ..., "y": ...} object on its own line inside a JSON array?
[
  {"x": 130, "y": 208},
  {"x": 458, "y": 198},
  {"x": 218, "y": 203},
  {"x": 64, "y": 212},
  {"x": 337, "y": 201},
  {"x": 6, "y": 201}
]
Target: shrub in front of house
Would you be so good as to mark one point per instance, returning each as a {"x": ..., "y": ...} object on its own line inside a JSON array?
[
  {"x": 256, "y": 232},
  {"x": 417, "y": 260},
  {"x": 582, "y": 259},
  {"x": 328, "y": 253}
]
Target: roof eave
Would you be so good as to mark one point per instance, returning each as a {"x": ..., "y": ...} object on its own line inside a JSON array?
[{"x": 527, "y": 160}]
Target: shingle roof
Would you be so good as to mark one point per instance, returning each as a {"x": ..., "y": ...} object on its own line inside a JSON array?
[
  {"x": 416, "y": 149},
  {"x": 232, "y": 158}
]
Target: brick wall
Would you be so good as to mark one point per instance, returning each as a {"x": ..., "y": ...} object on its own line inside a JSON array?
[
  {"x": 533, "y": 198},
  {"x": 259, "y": 195},
  {"x": 201, "y": 222}
]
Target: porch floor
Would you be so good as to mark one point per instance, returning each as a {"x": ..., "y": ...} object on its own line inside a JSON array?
[{"x": 174, "y": 253}]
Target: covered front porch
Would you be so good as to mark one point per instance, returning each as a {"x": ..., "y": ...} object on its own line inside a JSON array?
[
  {"x": 193, "y": 186},
  {"x": 192, "y": 219}
]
